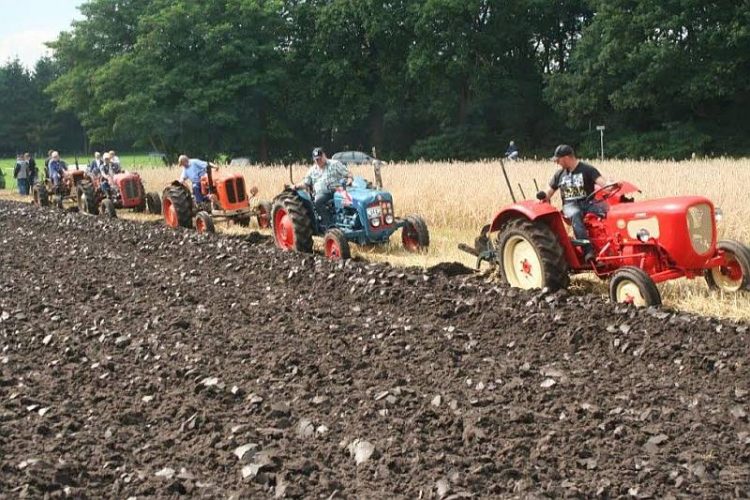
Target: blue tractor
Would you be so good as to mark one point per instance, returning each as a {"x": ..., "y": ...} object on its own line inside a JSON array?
[{"x": 360, "y": 213}]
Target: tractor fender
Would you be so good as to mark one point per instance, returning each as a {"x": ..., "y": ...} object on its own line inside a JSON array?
[{"x": 535, "y": 211}]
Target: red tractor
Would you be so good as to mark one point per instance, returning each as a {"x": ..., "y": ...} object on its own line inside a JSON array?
[
  {"x": 123, "y": 190},
  {"x": 73, "y": 184},
  {"x": 636, "y": 245},
  {"x": 230, "y": 203}
]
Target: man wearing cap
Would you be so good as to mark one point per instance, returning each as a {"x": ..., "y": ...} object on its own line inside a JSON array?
[
  {"x": 194, "y": 169},
  {"x": 323, "y": 178},
  {"x": 576, "y": 181}
]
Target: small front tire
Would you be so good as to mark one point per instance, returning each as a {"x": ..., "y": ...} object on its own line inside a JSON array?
[
  {"x": 414, "y": 235},
  {"x": 204, "y": 223},
  {"x": 336, "y": 245},
  {"x": 734, "y": 276},
  {"x": 631, "y": 285}
]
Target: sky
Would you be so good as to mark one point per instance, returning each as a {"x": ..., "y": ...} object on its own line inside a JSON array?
[{"x": 26, "y": 24}]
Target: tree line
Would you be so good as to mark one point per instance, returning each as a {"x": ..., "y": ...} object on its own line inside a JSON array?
[{"x": 433, "y": 79}]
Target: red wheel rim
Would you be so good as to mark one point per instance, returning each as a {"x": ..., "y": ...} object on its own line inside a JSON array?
[
  {"x": 283, "y": 230},
  {"x": 170, "y": 214},
  {"x": 732, "y": 270},
  {"x": 333, "y": 250},
  {"x": 200, "y": 225},
  {"x": 409, "y": 238},
  {"x": 264, "y": 220}
]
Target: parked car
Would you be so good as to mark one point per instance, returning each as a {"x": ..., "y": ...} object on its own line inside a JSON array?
[{"x": 355, "y": 158}]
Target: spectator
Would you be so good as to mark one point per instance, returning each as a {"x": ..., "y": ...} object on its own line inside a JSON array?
[
  {"x": 46, "y": 164},
  {"x": 512, "y": 152},
  {"x": 21, "y": 174},
  {"x": 96, "y": 163}
]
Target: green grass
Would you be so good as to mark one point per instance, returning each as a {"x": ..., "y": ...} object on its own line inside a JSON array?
[{"x": 128, "y": 162}]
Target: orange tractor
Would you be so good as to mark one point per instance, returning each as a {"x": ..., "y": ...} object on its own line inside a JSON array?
[
  {"x": 122, "y": 190},
  {"x": 73, "y": 184},
  {"x": 228, "y": 200}
]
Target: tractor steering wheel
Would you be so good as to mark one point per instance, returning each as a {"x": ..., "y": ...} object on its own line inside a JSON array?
[{"x": 605, "y": 193}]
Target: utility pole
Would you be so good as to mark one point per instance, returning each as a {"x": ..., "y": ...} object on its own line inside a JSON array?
[{"x": 600, "y": 128}]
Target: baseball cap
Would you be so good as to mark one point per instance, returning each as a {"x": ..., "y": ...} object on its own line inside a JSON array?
[
  {"x": 562, "y": 150},
  {"x": 317, "y": 153}
]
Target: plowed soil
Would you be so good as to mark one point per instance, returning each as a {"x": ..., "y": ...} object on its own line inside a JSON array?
[{"x": 141, "y": 361}]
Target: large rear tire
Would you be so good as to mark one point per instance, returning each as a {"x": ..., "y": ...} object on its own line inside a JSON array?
[
  {"x": 530, "y": 256},
  {"x": 153, "y": 203},
  {"x": 631, "y": 285},
  {"x": 40, "y": 195},
  {"x": 336, "y": 245},
  {"x": 177, "y": 207},
  {"x": 414, "y": 235},
  {"x": 292, "y": 225},
  {"x": 86, "y": 198},
  {"x": 735, "y": 275}
]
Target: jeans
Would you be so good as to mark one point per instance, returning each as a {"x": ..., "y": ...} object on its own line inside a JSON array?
[
  {"x": 197, "y": 195},
  {"x": 23, "y": 186},
  {"x": 575, "y": 211},
  {"x": 321, "y": 206}
]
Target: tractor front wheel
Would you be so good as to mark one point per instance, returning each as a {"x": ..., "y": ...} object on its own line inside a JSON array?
[
  {"x": 86, "y": 198},
  {"x": 530, "y": 256},
  {"x": 107, "y": 208},
  {"x": 292, "y": 224},
  {"x": 414, "y": 235},
  {"x": 733, "y": 276},
  {"x": 41, "y": 195},
  {"x": 631, "y": 285},
  {"x": 204, "y": 223},
  {"x": 264, "y": 215},
  {"x": 176, "y": 206},
  {"x": 153, "y": 203},
  {"x": 336, "y": 245}
]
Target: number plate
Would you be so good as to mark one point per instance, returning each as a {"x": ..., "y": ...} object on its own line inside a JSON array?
[{"x": 373, "y": 212}]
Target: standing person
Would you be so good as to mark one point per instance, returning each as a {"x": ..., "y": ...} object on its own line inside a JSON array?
[
  {"x": 193, "y": 169},
  {"x": 33, "y": 171},
  {"x": 46, "y": 164},
  {"x": 323, "y": 178},
  {"x": 96, "y": 163},
  {"x": 115, "y": 159},
  {"x": 21, "y": 174},
  {"x": 575, "y": 180},
  {"x": 512, "y": 152}
]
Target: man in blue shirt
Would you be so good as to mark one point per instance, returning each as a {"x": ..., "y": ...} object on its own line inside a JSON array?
[
  {"x": 323, "y": 178},
  {"x": 56, "y": 169},
  {"x": 193, "y": 169}
]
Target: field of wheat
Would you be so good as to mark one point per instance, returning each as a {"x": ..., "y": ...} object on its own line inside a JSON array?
[{"x": 458, "y": 198}]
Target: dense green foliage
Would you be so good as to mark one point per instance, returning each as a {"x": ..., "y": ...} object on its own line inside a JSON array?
[{"x": 436, "y": 79}]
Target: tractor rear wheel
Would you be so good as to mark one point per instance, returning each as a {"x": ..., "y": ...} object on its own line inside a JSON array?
[
  {"x": 264, "y": 215},
  {"x": 107, "y": 208},
  {"x": 204, "y": 223},
  {"x": 734, "y": 276},
  {"x": 414, "y": 235},
  {"x": 177, "y": 207},
  {"x": 86, "y": 198},
  {"x": 530, "y": 256},
  {"x": 153, "y": 203},
  {"x": 631, "y": 285},
  {"x": 41, "y": 195},
  {"x": 292, "y": 225},
  {"x": 336, "y": 245}
]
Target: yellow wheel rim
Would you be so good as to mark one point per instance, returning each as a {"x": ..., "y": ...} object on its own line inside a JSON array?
[
  {"x": 729, "y": 277},
  {"x": 629, "y": 293},
  {"x": 522, "y": 266}
]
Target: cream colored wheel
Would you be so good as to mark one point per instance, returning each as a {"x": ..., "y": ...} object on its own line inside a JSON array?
[
  {"x": 734, "y": 274},
  {"x": 521, "y": 264},
  {"x": 629, "y": 293}
]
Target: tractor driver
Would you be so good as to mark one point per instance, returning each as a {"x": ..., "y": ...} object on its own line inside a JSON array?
[
  {"x": 194, "y": 169},
  {"x": 56, "y": 169},
  {"x": 324, "y": 177},
  {"x": 576, "y": 181}
]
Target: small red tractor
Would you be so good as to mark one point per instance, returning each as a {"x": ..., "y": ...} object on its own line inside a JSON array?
[
  {"x": 72, "y": 185},
  {"x": 229, "y": 202},
  {"x": 636, "y": 245},
  {"x": 123, "y": 190}
]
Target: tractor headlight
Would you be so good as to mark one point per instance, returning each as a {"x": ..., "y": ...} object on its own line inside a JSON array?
[
  {"x": 718, "y": 214},
  {"x": 644, "y": 235},
  {"x": 375, "y": 222},
  {"x": 389, "y": 219}
]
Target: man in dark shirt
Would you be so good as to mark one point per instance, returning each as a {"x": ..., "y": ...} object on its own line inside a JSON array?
[{"x": 576, "y": 181}]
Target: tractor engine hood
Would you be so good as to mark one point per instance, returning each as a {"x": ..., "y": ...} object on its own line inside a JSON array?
[{"x": 358, "y": 194}]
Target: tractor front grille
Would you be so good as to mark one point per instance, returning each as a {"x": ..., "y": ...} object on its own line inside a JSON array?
[
  {"x": 700, "y": 227},
  {"x": 231, "y": 191},
  {"x": 130, "y": 189},
  {"x": 240, "y": 189}
]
